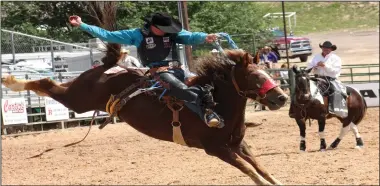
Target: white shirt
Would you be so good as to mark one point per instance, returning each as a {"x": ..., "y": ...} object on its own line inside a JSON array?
[
  {"x": 130, "y": 61},
  {"x": 332, "y": 68}
]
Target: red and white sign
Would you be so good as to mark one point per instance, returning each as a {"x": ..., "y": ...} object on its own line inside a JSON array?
[
  {"x": 55, "y": 110},
  {"x": 14, "y": 111}
]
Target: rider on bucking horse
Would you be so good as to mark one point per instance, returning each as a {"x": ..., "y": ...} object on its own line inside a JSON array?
[
  {"x": 328, "y": 66},
  {"x": 154, "y": 41}
]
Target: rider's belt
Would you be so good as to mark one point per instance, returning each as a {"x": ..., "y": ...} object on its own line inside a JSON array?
[
  {"x": 325, "y": 77},
  {"x": 171, "y": 64}
]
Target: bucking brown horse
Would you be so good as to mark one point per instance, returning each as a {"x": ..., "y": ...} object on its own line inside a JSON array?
[{"x": 234, "y": 77}]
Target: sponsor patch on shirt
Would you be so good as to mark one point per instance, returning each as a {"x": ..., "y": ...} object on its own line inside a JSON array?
[
  {"x": 166, "y": 39},
  {"x": 149, "y": 40},
  {"x": 150, "y": 46}
]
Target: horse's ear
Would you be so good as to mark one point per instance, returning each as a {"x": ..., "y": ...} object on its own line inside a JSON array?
[
  {"x": 256, "y": 59},
  {"x": 295, "y": 69},
  {"x": 247, "y": 59},
  {"x": 309, "y": 70}
]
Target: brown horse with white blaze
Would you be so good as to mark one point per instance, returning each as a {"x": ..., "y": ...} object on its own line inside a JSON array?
[{"x": 235, "y": 78}]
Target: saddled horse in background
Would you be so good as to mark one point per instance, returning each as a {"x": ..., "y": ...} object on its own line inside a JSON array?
[
  {"x": 234, "y": 77},
  {"x": 308, "y": 107}
]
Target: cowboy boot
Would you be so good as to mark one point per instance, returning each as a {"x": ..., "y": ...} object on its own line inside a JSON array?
[
  {"x": 198, "y": 99},
  {"x": 211, "y": 118},
  {"x": 331, "y": 104}
]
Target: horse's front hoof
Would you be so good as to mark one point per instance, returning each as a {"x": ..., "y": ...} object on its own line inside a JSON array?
[
  {"x": 303, "y": 145},
  {"x": 323, "y": 145}
]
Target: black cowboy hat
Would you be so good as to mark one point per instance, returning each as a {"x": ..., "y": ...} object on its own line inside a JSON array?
[
  {"x": 164, "y": 22},
  {"x": 328, "y": 44}
]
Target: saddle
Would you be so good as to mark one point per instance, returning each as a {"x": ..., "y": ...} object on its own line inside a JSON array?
[
  {"x": 336, "y": 97},
  {"x": 148, "y": 85}
]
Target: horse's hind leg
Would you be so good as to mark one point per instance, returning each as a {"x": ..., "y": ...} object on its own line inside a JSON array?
[
  {"x": 247, "y": 155},
  {"x": 359, "y": 141},
  {"x": 227, "y": 155},
  {"x": 43, "y": 87},
  {"x": 343, "y": 131}
]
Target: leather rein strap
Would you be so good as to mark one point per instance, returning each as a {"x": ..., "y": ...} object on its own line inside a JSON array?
[{"x": 261, "y": 94}]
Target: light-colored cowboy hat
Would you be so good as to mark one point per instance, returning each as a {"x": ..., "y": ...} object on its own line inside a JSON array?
[
  {"x": 123, "y": 50},
  {"x": 267, "y": 47}
]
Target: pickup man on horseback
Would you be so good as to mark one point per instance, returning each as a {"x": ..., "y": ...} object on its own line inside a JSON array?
[
  {"x": 154, "y": 41},
  {"x": 327, "y": 66}
]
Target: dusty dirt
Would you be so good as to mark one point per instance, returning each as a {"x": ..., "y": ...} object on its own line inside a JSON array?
[{"x": 120, "y": 155}]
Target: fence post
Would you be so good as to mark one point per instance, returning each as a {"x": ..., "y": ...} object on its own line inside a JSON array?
[
  {"x": 29, "y": 107},
  {"x": 369, "y": 74},
  {"x": 52, "y": 56},
  {"x": 60, "y": 77},
  {"x": 352, "y": 78},
  {"x": 91, "y": 58},
  {"x": 13, "y": 48}
]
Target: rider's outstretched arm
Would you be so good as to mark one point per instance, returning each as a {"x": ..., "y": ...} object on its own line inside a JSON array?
[
  {"x": 191, "y": 38},
  {"x": 128, "y": 37}
]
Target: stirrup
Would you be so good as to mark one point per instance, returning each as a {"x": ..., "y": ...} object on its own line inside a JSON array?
[{"x": 212, "y": 119}]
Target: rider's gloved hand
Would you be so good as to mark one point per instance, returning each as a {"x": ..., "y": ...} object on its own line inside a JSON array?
[
  {"x": 75, "y": 20},
  {"x": 211, "y": 38}
]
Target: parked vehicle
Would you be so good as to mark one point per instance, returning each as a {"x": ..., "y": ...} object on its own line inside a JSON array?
[{"x": 298, "y": 47}]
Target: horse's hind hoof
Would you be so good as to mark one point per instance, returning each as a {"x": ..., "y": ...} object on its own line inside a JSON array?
[
  {"x": 359, "y": 147},
  {"x": 359, "y": 142},
  {"x": 335, "y": 144},
  {"x": 12, "y": 83}
]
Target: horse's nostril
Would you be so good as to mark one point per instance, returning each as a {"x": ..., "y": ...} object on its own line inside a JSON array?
[{"x": 282, "y": 98}]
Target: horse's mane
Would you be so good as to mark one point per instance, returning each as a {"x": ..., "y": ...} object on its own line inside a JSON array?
[{"x": 214, "y": 66}]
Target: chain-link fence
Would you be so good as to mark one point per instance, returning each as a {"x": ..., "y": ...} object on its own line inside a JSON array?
[
  {"x": 31, "y": 52},
  {"x": 248, "y": 42}
]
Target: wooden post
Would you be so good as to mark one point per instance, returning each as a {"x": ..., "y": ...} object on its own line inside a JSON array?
[{"x": 185, "y": 21}]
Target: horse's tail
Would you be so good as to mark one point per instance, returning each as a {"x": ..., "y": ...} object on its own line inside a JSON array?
[{"x": 104, "y": 15}]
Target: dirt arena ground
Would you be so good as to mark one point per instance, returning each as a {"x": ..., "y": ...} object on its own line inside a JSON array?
[{"x": 120, "y": 155}]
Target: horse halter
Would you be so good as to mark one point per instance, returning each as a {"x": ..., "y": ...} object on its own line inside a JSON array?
[{"x": 260, "y": 94}]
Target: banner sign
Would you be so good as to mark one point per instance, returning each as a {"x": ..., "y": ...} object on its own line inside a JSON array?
[
  {"x": 55, "y": 110},
  {"x": 370, "y": 92},
  {"x": 14, "y": 111}
]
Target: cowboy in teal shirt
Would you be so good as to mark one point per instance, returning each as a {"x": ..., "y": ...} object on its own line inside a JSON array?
[{"x": 154, "y": 43}]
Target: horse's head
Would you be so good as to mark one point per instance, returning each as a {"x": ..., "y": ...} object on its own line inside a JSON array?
[
  {"x": 244, "y": 77},
  {"x": 302, "y": 81}
]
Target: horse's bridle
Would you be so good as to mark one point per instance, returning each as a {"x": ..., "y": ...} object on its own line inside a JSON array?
[{"x": 260, "y": 94}]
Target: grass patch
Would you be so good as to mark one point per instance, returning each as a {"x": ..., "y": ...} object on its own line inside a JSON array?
[{"x": 327, "y": 16}]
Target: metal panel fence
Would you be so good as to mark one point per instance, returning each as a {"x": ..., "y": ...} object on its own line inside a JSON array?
[
  {"x": 42, "y": 53},
  {"x": 35, "y": 104}
]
